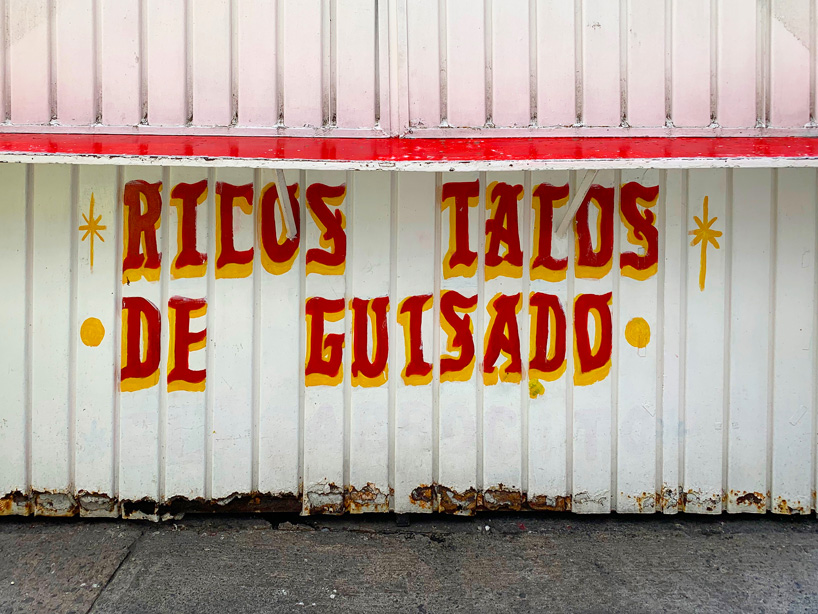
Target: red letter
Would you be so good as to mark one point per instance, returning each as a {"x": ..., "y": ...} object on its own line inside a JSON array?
[
  {"x": 230, "y": 262},
  {"x": 183, "y": 341},
  {"x": 503, "y": 336},
  {"x": 595, "y": 263},
  {"x": 324, "y": 352},
  {"x": 503, "y": 227},
  {"x": 140, "y": 231},
  {"x": 546, "y": 198},
  {"x": 458, "y": 196},
  {"x": 548, "y": 332},
  {"x": 370, "y": 313},
  {"x": 460, "y": 336},
  {"x": 592, "y": 362},
  {"x": 141, "y": 336},
  {"x": 189, "y": 261},
  {"x": 641, "y": 230},
  {"x": 410, "y": 316},
  {"x": 277, "y": 251},
  {"x": 331, "y": 224}
]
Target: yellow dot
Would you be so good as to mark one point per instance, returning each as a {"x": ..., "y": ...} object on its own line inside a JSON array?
[
  {"x": 637, "y": 333},
  {"x": 92, "y": 332}
]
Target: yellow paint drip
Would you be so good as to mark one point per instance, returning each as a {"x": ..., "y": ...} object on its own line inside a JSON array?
[{"x": 535, "y": 388}]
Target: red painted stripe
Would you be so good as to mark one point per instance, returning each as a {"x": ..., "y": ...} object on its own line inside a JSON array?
[{"x": 411, "y": 150}]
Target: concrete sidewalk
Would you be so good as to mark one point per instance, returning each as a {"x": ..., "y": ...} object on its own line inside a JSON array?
[{"x": 508, "y": 563}]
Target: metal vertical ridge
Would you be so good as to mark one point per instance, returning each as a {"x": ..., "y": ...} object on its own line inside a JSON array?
[
  {"x": 533, "y": 64},
  {"x": 4, "y": 6},
  {"x": 118, "y": 248},
  {"x": 210, "y": 357},
  {"x": 143, "y": 61},
  {"x": 347, "y": 360},
  {"x": 188, "y": 45},
  {"x": 771, "y": 335},
  {"x": 302, "y": 325},
  {"x": 479, "y": 330},
  {"x": 52, "y": 59},
  {"x": 97, "y": 45},
  {"x": 443, "y": 52},
  {"x": 623, "y": 62},
  {"x": 728, "y": 325},
  {"x": 28, "y": 356},
  {"x": 579, "y": 64},
  {"x": 682, "y": 443},
  {"x": 73, "y": 333},
  {"x": 660, "y": 341},
  {"x": 614, "y": 375},
  {"x": 436, "y": 337},
  {"x": 569, "y": 370},
  {"x": 255, "y": 396},
  {"x": 393, "y": 346},
  {"x": 525, "y": 397},
  {"x": 814, "y": 430},
  {"x": 488, "y": 63},
  {"x": 234, "y": 62},
  {"x": 164, "y": 280},
  {"x": 669, "y": 4},
  {"x": 714, "y": 61}
]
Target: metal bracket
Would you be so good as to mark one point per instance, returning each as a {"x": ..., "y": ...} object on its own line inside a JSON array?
[
  {"x": 284, "y": 201},
  {"x": 579, "y": 196}
]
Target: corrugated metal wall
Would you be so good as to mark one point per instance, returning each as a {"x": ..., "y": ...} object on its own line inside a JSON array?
[
  {"x": 708, "y": 401},
  {"x": 364, "y": 67}
]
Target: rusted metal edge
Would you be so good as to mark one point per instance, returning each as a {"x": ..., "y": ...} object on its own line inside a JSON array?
[
  {"x": 334, "y": 500},
  {"x": 101, "y": 505}
]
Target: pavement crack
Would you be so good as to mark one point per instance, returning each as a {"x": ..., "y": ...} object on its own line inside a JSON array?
[{"x": 129, "y": 551}]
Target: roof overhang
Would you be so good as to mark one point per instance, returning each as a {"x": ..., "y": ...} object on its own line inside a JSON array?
[{"x": 415, "y": 154}]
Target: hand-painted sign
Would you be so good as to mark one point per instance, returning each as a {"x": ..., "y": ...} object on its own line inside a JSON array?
[{"x": 587, "y": 321}]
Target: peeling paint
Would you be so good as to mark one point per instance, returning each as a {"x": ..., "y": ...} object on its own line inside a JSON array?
[
  {"x": 697, "y": 502},
  {"x": 422, "y": 496},
  {"x": 585, "y": 502},
  {"x": 54, "y": 504},
  {"x": 646, "y": 502},
  {"x": 500, "y": 498},
  {"x": 547, "y": 503},
  {"x": 459, "y": 503},
  {"x": 329, "y": 500},
  {"x": 668, "y": 500}
]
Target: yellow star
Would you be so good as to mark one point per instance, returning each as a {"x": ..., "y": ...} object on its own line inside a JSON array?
[
  {"x": 92, "y": 228},
  {"x": 705, "y": 235}
]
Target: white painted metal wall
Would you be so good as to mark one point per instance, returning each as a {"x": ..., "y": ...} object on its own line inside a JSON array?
[
  {"x": 716, "y": 412},
  {"x": 364, "y": 67}
]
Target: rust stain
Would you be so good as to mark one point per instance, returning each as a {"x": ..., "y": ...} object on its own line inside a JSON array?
[
  {"x": 453, "y": 502},
  {"x": 783, "y": 506},
  {"x": 253, "y": 503},
  {"x": 366, "y": 499},
  {"x": 558, "y": 503},
  {"x": 422, "y": 496},
  {"x": 15, "y": 503},
  {"x": 646, "y": 502},
  {"x": 668, "y": 499},
  {"x": 748, "y": 499},
  {"x": 141, "y": 509},
  {"x": 700, "y": 502}
]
